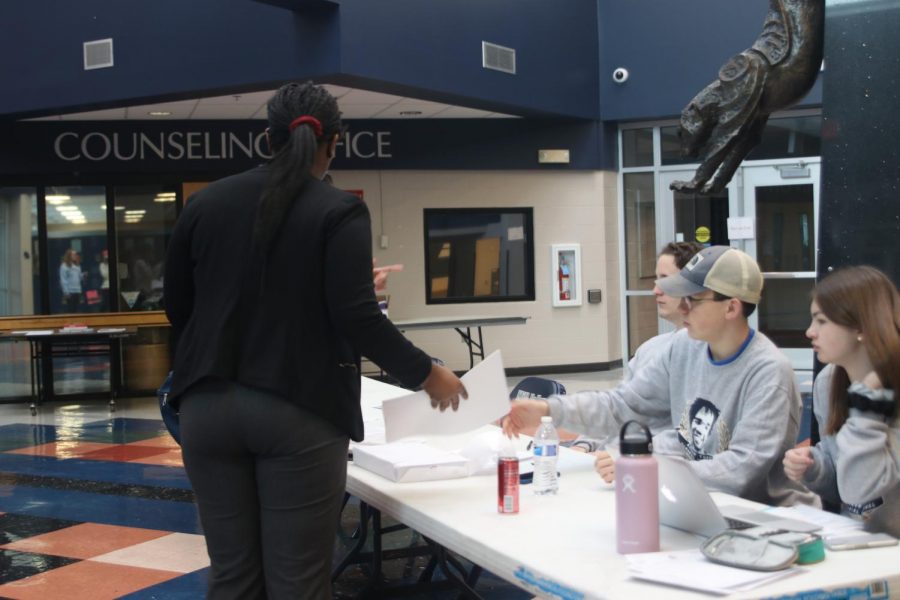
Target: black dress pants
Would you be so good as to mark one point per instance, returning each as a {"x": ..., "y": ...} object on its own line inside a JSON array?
[{"x": 269, "y": 478}]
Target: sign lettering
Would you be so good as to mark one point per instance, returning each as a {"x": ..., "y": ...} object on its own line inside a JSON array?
[{"x": 98, "y": 146}]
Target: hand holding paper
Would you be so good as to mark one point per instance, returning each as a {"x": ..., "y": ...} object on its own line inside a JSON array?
[
  {"x": 412, "y": 415},
  {"x": 444, "y": 388}
]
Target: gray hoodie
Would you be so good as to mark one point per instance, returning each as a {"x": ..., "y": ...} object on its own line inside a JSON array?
[
  {"x": 734, "y": 419},
  {"x": 643, "y": 355},
  {"x": 859, "y": 467}
]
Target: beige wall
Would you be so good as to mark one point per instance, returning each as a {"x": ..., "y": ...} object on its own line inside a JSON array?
[{"x": 571, "y": 207}]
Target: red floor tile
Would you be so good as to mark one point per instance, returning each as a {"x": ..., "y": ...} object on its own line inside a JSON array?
[
  {"x": 124, "y": 453},
  {"x": 62, "y": 450},
  {"x": 85, "y": 540},
  {"x": 170, "y": 458},
  {"x": 163, "y": 441},
  {"x": 85, "y": 580}
]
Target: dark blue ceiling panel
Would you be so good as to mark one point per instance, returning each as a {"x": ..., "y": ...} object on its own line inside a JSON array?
[
  {"x": 435, "y": 46},
  {"x": 163, "y": 50}
]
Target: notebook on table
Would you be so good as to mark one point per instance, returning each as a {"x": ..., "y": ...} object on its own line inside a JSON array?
[{"x": 684, "y": 503}]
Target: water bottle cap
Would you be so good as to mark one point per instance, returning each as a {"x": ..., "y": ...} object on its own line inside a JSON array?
[
  {"x": 546, "y": 419},
  {"x": 635, "y": 442}
]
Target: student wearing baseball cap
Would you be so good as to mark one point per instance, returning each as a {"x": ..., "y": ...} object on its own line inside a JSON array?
[{"x": 728, "y": 391}]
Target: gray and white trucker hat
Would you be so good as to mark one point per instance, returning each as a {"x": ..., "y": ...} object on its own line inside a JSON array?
[{"x": 718, "y": 268}]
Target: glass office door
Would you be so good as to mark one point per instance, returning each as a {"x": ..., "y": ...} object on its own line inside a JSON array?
[
  {"x": 773, "y": 211},
  {"x": 783, "y": 202}
]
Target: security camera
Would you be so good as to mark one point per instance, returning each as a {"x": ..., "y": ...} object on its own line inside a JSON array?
[{"x": 620, "y": 75}]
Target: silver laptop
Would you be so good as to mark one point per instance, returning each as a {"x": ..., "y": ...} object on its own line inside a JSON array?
[{"x": 684, "y": 503}]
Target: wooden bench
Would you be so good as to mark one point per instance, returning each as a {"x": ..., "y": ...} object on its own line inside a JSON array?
[{"x": 154, "y": 318}]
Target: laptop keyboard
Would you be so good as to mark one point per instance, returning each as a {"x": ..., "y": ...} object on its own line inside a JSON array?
[{"x": 738, "y": 524}]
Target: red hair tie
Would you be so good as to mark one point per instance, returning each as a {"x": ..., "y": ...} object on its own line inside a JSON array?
[{"x": 306, "y": 119}]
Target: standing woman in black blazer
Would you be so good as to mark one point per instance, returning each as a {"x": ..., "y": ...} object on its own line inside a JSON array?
[{"x": 269, "y": 291}]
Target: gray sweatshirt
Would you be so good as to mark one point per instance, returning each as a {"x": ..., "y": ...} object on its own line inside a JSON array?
[
  {"x": 734, "y": 419},
  {"x": 643, "y": 355},
  {"x": 859, "y": 467},
  {"x": 646, "y": 351}
]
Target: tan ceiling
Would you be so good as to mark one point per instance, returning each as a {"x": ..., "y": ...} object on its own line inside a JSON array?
[{"x": 354, "y": 103}]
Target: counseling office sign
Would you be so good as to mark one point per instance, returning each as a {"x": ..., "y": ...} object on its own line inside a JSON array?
[
  {"x": 101, "y": 147},
  {"x": 173, "y": 147}
]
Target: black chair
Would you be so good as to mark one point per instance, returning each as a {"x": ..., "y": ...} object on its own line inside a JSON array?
[
  {"x": 537, "y": 387},
  {"x": 806, "y": 417}
]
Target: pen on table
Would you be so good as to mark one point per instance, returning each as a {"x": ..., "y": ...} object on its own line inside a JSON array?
[{"x": 530, "y": 445}]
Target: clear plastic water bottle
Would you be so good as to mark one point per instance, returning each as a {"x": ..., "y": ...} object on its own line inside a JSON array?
[{"x": 546, "y": 451}]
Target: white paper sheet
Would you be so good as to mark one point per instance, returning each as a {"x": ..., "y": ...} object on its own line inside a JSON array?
[
  {"x": 412, "y": 415},
  {"x": 832, "y": 524},
  {"x": 741, "y": 228},
  {"x": 690, "y": 569}
]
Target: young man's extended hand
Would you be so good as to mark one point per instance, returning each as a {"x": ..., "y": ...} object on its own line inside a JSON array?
[{"x": 524, "y": 414}]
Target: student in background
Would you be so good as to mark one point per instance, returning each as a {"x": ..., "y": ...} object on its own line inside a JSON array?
[
  {"x": 269, "y": 291},
  {"x": 856, "y": 329},
  {"x": 716, "y": 358},
  {"x": 672, "y": 258},
  {"x": 70, "y": 280}
]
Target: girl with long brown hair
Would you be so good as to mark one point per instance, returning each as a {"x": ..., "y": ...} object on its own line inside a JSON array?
[{"x": 855, "y": 328}]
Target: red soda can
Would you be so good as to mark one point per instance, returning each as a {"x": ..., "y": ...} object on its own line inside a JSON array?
[{"x": 508, "y": 485}]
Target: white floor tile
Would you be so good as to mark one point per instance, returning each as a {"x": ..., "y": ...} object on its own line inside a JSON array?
[{"x": 179, "y": 553}]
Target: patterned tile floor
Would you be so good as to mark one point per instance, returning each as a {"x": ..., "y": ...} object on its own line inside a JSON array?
[{"x": 96, "y": 505}]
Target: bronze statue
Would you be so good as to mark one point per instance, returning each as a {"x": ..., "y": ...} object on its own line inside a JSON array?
[{"x": 724, "y": 122}]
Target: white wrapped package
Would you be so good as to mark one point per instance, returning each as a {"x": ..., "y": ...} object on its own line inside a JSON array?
[{"x": 406, "y": 462}]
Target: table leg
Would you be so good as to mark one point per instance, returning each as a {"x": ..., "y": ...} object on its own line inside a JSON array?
[
  {"x": 376, "y": 546},
  {"x": 476, "y": 348},
  {"x": 45, "y": 377},
  {"x": 33, "y": 355},
  {"x": 115, "y": 376},
  {"x": 353, "y": 555},
  {"x": 445, "y": 561}
]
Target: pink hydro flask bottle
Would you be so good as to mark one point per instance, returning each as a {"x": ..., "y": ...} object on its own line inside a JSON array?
[{"x": 637, "y": 492}]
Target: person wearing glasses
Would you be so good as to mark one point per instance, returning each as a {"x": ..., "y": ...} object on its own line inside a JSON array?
[
  {"x": 716, "y": 364},
  {"x": 855, "y": 329},
  {"x": 672, "y": 258}
]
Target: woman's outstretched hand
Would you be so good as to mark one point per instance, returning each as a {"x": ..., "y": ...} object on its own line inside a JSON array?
[{"x": 444, "y": 388}]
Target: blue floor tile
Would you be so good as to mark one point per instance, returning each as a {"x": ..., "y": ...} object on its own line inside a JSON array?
[
  {"x": 125, "y": 511},
  {"x": 114, "y": 431},
  {"x": 95, "y": 470},
  {"x": 24, "y": 435}
]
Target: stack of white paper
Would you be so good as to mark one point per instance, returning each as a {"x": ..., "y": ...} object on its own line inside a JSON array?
[
  {"x": 406, "y": 462},
  {"x": 690, "y": 569},
  {"x": 832, "y": 525}
]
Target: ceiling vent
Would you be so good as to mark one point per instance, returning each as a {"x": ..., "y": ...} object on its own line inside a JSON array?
[
  {"x": 98, "y": 54},
  {"x": 498, "y": 58}
]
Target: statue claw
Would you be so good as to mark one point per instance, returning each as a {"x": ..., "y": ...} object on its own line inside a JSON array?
[{"x": 683, "y": 186}]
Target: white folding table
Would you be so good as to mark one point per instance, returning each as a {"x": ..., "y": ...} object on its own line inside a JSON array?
[{"x": 564, "y": 545}]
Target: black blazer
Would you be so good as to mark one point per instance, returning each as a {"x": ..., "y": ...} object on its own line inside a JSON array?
[{"x": 294, "y": 323}]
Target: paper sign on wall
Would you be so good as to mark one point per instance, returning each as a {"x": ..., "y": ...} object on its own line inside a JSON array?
[{"x": 741, "y": 228}]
